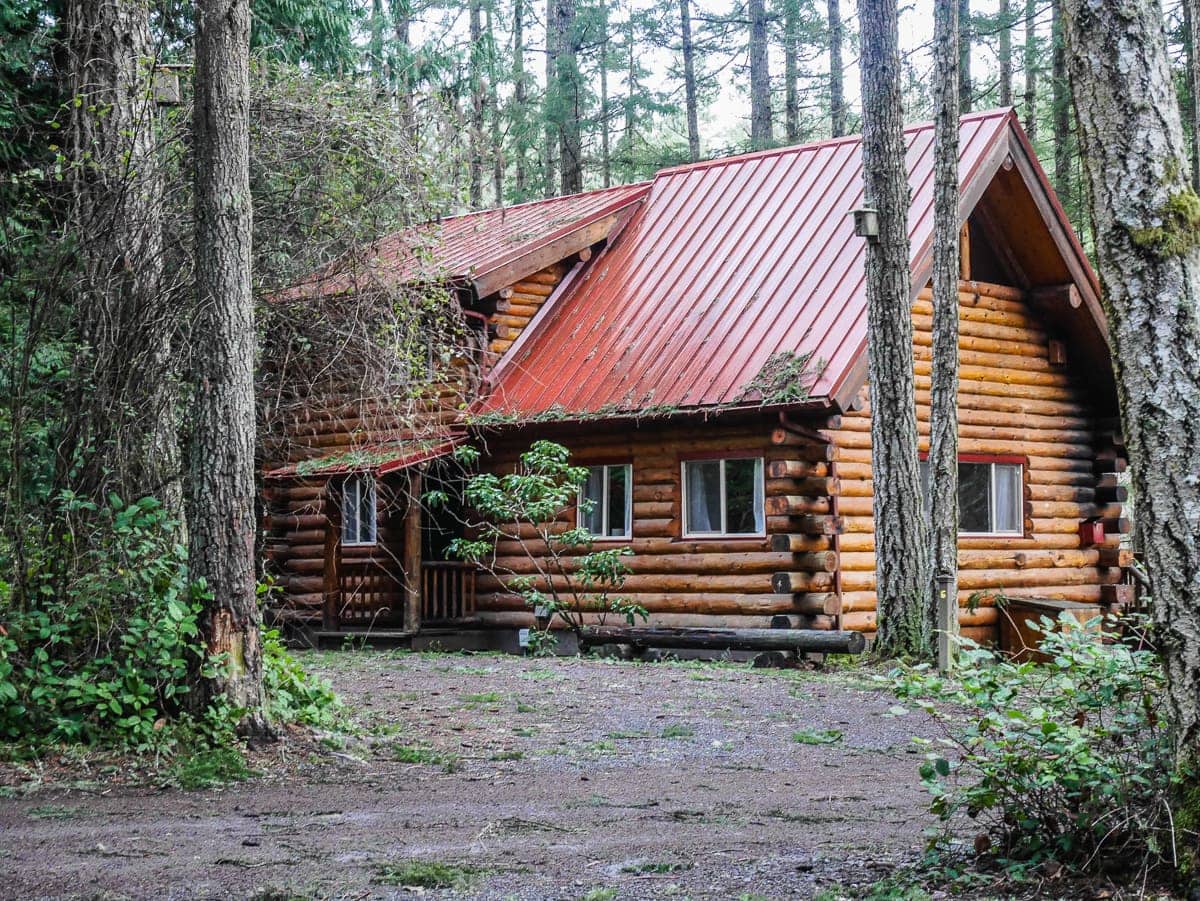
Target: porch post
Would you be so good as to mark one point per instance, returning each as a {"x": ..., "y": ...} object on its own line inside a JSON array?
[
  {"x": 412, "y": 554},
  {"x": 330, "y": 616}
]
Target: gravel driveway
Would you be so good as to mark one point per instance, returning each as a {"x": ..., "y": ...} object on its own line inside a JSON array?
[{"x": 514, "y": 778}]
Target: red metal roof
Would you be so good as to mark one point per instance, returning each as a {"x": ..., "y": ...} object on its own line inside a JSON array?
[
  {"x": 379, "y": 458},
  {"x": 461, "y": 248},
  {"x": 726, "y": 264}
]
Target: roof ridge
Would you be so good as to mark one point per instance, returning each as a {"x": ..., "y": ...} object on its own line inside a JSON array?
[
  {"x": 824, "y": 144},
  {"x": 611, "y": 189}
]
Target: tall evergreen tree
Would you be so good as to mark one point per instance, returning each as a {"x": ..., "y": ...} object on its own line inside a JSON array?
[
  {"x": 1146, "y": 217},
  {"x": 760, "y": 77},
  {"x": 222, "y": 495},
  {"x": 837, "y": 102},
  {"x": 901, "y": 552},
  {"x": 966, "y": 87},
  {"x": 943, "y": 382},
  {"x": 691, "y": 98},
  {"x": 1031, "y": 69}
]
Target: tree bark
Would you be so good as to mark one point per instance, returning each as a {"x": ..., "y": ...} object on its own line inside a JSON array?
[
  {"x": 901, "y": 553},
  {"x": 497, "y": 139},
  {"x": 837, "y": 101},
  {"x": 1147, "y": 225},
  {"x": 605, "y": 152},
  {"x": 691, "y": 103},
  {"x": 569, "y": 93},
  {"x": 1004, "y": 53},
  {"x": 791, "y": 38},
  {"x": 1059, "y": 102},
  {"x": 1031, "y": 68},
  {"x": 760, "y": 78},
  {"x": 401, "y": 21},
  {"x": 222, "y": 495},
  {"x": 520, "y": 102},
  {"x": 1191, "y": 24},
  {"x": 943, "y": 381},
  {"x": 965, "y": 87},
  {"x": 550, "y": 103},
  {"x": 478, "y": 104},
  {"x": 123, "y": 434}
]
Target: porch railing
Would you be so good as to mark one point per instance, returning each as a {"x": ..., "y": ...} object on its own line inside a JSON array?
[{"x": 447, "y": 590}]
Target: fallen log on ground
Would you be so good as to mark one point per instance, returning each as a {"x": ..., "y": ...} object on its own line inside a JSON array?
[{"x": 817, "y": 641}]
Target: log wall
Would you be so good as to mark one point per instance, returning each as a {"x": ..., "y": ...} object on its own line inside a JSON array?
[
  {"x": 727, "y": 581},
  {"x": 1013, "y": 400},
  {"x": 520, "y": 302}
]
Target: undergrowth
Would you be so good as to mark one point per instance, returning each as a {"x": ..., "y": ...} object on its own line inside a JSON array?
[
  {"x": 100, "y": 645},
  {"x": 1064, "y": 765}
]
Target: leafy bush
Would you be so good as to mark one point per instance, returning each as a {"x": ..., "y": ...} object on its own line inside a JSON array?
[
  {"x": 104, "y": 641},
  {"x": 571, "y": 577},
  {"x": 293, "y": 694},
  {"x": 1069, "y": 760}
]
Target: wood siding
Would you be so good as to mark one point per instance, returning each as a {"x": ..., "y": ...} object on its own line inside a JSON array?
[
  {"x": 1013, "y": 401},
  {"x": 681, "y": 581},
  {"x": 524, "y": 298}
]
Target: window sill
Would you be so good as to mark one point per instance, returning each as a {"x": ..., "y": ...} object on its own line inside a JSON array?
[{"x": 724, "y": 536}]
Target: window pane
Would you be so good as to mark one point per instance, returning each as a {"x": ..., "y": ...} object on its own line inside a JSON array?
[
  {"x": 974, "y": 497},
  {"x": 593, "y": 491},
  {"x": 618, "y": 479},
  {"x": 1009, "y": 497},
  {"x": 350, "y": 511},
  {"x": 743, "y": 496},
  {"x": 366, "y": 510},
  {"x": 702, "y": 482}
]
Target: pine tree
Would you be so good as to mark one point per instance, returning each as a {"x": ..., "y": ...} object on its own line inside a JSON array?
[
  {"x": 760, "y": 77},
  {"x": 837, "y": 103},
  {"x": 901, "y": 551}
]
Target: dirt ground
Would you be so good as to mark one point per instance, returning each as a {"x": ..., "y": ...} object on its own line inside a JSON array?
[{"x": 528, "y": 778}]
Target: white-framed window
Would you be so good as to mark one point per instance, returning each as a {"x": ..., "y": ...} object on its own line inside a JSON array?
[
  {"x": 358, "y": 510},
  {"x": 723, "y": 497},
  {"x": 609, "y": 489},
  {"x": 991, "y": 497}
]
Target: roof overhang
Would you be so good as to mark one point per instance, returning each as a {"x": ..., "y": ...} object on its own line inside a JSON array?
[{"x": 379, "y": 459}]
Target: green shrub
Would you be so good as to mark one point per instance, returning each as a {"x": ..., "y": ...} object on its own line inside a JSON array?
[
  {"x": 293, "y": 694},
  {"x": 104, "y": 642},
  {"x": 1067, "y": 760}
]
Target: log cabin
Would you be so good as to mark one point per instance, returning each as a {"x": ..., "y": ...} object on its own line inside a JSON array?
[{"x": 699, "y": 342}]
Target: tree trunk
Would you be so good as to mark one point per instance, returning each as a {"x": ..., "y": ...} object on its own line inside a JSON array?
[
  {"x": 791, "y": 39},
  {"x": 605, "y": 152},
  {"x": 569, "y": 91},
  {"x": 965, "y": 87},
  {"x": 401, "y": 20},
  {"x": 123, "y": 434},
  {"x": 901, "y": 553},
  {"x": 943, "y": 382},
  {"x": 1191, "y": 24},
  {"x": 497, "y": 140},
  {"x": 1061, "y": 111},
  {"x": 837, "y": 101},
  {"x": 760, "y": 78},
  {"x": 222, "y": 496},
  {"x": 1147, "y": 226},
  {"x": 1031, "y": 69},
  {"x": 691, "y": 103},
  {"x": 1004, "y": 53},
  {"x": 1147, "y": 238},
  {"x": 550, "y": 103},
  {"x": 478, "y": 103},
  {"x": 520, "y": 117}
]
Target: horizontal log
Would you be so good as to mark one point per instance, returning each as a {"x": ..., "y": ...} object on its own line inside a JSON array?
[
  {"x": 1116, "y": 525},
  {"x": 525, "y": 619},
  {"x": 706, "y": 604},
  {"x": 1114, "y": 494},
  {"x": 797, "y": 505},
  {"x": 734, "y": 561},
  {"x": 810, "y": 450},
  {"x": 805, "y": 641},
  {"x": 308, "y": 521},
  {"x": 800, "y": 582},
  {"x": 797, "y": 469},
  {"x": 1117, "y": 595},
  {"x": 799, "y": 544},
  {"x": 1115, "y": 556}
]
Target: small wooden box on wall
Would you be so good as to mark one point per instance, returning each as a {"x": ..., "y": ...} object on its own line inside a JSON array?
[{"x": 1091, "y": 533}]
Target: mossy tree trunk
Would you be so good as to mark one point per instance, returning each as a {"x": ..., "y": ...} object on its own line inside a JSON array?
[{"x": 1147, "y": 224}]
